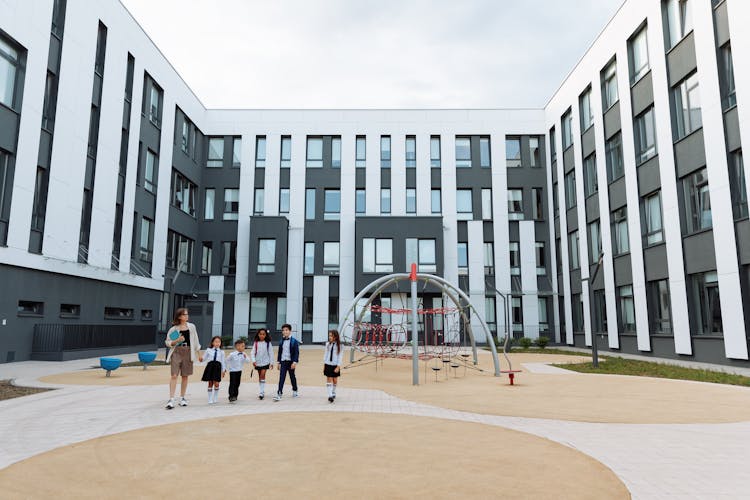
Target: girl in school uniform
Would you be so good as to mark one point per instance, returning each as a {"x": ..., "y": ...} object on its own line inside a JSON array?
[
  {"x": 262, "y": 358},
  {"x": 332, "y": 363},
  {"x": 215, "y": 370}
]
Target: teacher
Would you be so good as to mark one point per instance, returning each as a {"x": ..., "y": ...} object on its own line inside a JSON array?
[{"x": 184, "y": 350}]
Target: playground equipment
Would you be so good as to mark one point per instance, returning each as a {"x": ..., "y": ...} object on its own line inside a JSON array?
[
  {"x": 447, "y": 330},
  {"x": 146, "y": 358},
  {"x": 110, "y": 364}
]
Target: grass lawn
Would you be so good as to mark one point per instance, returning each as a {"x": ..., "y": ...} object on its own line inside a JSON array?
[
  {"x": 622, "y": 366},
  {"x": 547, "y": 350},
  {"x": 8, "y": 391},
  {"x": 156, "y": 362}
]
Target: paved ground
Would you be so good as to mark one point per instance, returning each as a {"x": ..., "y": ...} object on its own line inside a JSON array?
[{"x": 652, "y": 460}]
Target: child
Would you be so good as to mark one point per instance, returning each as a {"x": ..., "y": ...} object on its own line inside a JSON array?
[
  {"x": 234, "y": 364},
  {"x": 215, "y": 370},
  {"x": 332, "y": 363},
  {"x": 262, "y": 355},
  {"x": 287, "y": 358}
]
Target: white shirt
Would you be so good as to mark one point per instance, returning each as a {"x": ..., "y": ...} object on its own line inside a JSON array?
[
  {"x": 286, "y": 349},
  {"x": 262, "y": 353},
  {"x": 212, "y": 353},
  {"x": 333, "y": 356},
  {"x": 235, "y": 360}
]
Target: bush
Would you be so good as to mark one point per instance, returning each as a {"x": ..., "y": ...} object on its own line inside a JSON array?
[
  {"x": 244, "y": 339},
  {"x": 525, "y": 342},
  {"x": 226, "y": 340},
  {"x": 542, "y": 342}
]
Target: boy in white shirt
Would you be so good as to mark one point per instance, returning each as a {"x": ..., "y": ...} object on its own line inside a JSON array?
[{"x": 235, "y": 362}]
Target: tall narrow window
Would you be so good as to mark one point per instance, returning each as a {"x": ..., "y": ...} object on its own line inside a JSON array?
[
  {"x": 435, "y": 151},
  {"x": 486, "y": 204},
  {"x": 310, "y": 204},
  {"x": 659, "y": 310},
  {"x": 435, "y": 201},
  {"x": 215, "y": 152},
  {"x": 697, "y": 201},
  {"x": 462, "y": 258},
  {"x": 705, "y": 306},
  {"x": 726, "y": 77},
  {"x": 231, "y": 204},
  {"x": 463, "y": 152},
  {"x": 516, "y": 311},
  {"x": 552, "y": 144},
  {"x": 609, "y": 85},
  {"x": 513, "y": 152},
  {"x": 489, "y": 258},
  {"x": 10, "y": 63},
  {"x": 266, "y": 255},
  {"x": 679, "y": 20},
  {"x": 595, "y": 242},
  {"x": 260, "y": 151},
  {"x": 149, "y": 173},
  {"x": 515, "y": 204},
  {"x": 360, "y": 201},
  {"x": 645, "y": 136},
  {"x": 237, "y": 151},
  {"x": 737, "y": 184},
  {"x": 314, "y": 152},
  {"x": 147, "y": 240},
  {"x": 543, "y": 321},
  {"x": 228, "y": 257},
  {"x": 651, "y": 223},
  {"x": 590, "y": 180},
  {"x": 464, "y": 203},
  {"x": 385, "y": 201},
  {"x": 331, "y": 257},
  {"x": 625, "y": 309},
  {"x": 260, "y": 201},
  {"x": 209, "y": 204},
  {"x": 574, "y": 250},
  {"x": 567, "y": 130},
  {"x": 385, "y": 151},
  {"x": 514, "y": 254},
  {"x": 541, "y": 258},
  {"x": 570, "y": 189},
  {"x": 335, "y": 152},
  {"x": 686, "y": 103},
  {"x": 332, "y": 204},
  {"x": 613, "y": 150},
  {"x": 587, "y": 114},
  {"x": 309, "y": 258},
  {"x": 577, "y": 309},
  {"x": 537, "y": 200},
  {"x": 411, "y": 151},
  {"x": 620, "y": 241},
  {"x": 411, "y": 201},
  {"x": 638, "y": 55},
  {"x": 207, "y": 254},
  {"x": 484, "y": 152},
  {"x": 360, "y": 151},
  {"x": 286, "y": 151},
  {"x": 534, "y": 158},
  {"x": 284, "y": 200}
]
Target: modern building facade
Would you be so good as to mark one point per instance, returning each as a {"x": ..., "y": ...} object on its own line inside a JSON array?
[{"x": 616, "y": 214}]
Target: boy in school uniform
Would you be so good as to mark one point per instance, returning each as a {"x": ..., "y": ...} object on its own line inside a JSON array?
[
  {"x": 235, "y": 361},
  {"x": 287, "y": 360}
]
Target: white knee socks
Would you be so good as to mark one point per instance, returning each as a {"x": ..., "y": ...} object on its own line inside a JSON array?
[
  {"x": 329, "y": 387},
  {"x": 333, "y": 390},
  {"x": 262, "y": 385},
  {"x": 213, "y": 396}
]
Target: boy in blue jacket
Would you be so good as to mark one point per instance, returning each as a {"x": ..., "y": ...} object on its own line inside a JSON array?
[{"x": 287, "y": 360}]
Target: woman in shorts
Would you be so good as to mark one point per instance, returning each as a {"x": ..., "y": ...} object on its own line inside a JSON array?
[{"x": 184, "y": 350}]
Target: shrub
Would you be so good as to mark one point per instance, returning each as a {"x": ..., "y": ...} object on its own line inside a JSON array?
[
  {"x": 542, "y": 342},
  {"x": 226, "y": 340},
  {"x": 525, "y": 342}
]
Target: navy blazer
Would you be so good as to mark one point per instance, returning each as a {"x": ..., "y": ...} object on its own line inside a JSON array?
[{"x": 293, "y": 349}]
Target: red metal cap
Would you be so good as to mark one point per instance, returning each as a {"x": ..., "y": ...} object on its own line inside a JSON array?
[{"x": 413, "y": 275}]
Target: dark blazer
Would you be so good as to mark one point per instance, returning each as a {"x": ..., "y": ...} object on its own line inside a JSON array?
[{"x": 293, "y": 349}]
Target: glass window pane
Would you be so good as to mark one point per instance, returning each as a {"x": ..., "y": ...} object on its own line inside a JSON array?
[
  {"x": 208, "y": 212},
  {"x": 236, "y": 151},
  {"x": 385, "y": 201},
  {"x": 284, "y": 201},
  {"x": 463, "y": 201},
  {"x": 368, "y": 255},
  {"x": 336, "y": 152},
  {"x": 360, "y": 202},
  {"x": 258, "y": 310},
  {"x": 411, "y": 201},
  {"x": 487, "y": 204},
  {"x": 309, "y": 258},
  {"x": 435, "y": 151},
  {"x": 513, "y": 152},
  {"x": 463, "y": 152},
  {"x": 412, "y": 252},
  {"x": 484, "y": 152},
  {"x": 310, "y": 204},
  {"x": 315, "y": 152},
  {"x": 435, "y": 207}
]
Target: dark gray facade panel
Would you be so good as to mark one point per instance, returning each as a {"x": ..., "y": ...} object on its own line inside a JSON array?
[
  {"x": 557, "y": 231},
  {"x": 462, "y": 230},
  {"x": 623, "y": 270},
  {"x": 588, "y": 145},
  {"x": 541, "y": 231},
  {"x": 473, "y": 177},
  {"x": 579, "y": 340},
  {"x": 435, "y": 178},
  {"x": 274, "y": 228},
  {"x": 742, "y": 229},
  {"x": 648, "y": 176},
  {"x": 411, "y": 177},
  {"x": 385, "y": 178},
  {"x": 360, "y": 177},
  {"x": 598, "y": 283},
  {"x": 575, "y": 281},
  {"x": 612, "y": 123},
  {"x": 642, "y": 94},
  {"x": 721, "y": 24},
  {"x": 554, "y": 171},
  {"x": 689, "y": 153},
  {"x": 681, "y": 59},
  {"x": 488, "y": 232},
  {"x": 572, "y": 219},
  {"x": 592, "y": 208},
  {"x": 45, "y": 149},
  {"x": 699, "y": 252},
  {"x": 259, "y": 177},
  {"x": 568, "y": 160},
  {"x": 8, "y": 129},
  {"x": 183, "y": 223},
  {"x": 617, "y": 196},
  {"x": 655, "y": 262},
  {"x": 732, "y": 129},
  {"x": 284, "y": 174},
  {"x": 705, "y": 349}
]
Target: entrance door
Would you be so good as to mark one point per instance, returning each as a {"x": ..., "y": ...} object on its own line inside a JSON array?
[{"x": 202, "y": 315}]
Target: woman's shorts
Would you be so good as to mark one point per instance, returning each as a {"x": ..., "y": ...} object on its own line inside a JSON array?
[
  {"x": 328, "y": 371},
  {"x": 180, "y": 362}
]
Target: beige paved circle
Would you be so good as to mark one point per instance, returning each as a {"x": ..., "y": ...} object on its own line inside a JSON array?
[
  {"x": 577, "y": 397},
  {"x": 321, "y": 455}
]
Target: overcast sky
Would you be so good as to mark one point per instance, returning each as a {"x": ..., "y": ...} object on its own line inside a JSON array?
[{"x": 373, "y": 54}]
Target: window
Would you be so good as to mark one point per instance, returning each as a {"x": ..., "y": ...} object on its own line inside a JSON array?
[
  {"x": 552, "y": 144},
  {"x": 515, "y": 204},
  {"x": 490, "y": 316},
  {"x": 512, "y": 152},
  {"x": 613, "y": 150},
  {"x": 179, "y": 252},
  {"x": 638, "y": 55},
  {"x": 411, "y": 151},
  {"x": 40, "y": 198},
  {"x": 489, "y": 258},
  {"x": 587, "y": 114},
  {"x": 697, "y": 201},
  {"x": 10, "y": 65},
  {"x": 207, "y": 257},
  {"x": 360, "y": 202},
  {"x": 590, "y": 180},
  {"x": 332, "y": 205},
  {"x": 534, "y": 159},
  {"x": 237, "y": 152},
  {"x": 574, "y": 250},
  {"x": 208, "y": 206},
  {"x": 50, "y": 96},
  {"x": 154, "y": 109},
  {"x": 258, "y": 307},
  {"x": 422, "y": 253},
  {"x": 570, "y": 189},
  {"x": 514, "y": 253},
  {"x": 30, "y": 308},
  {"x": 543, "y": 321},
  {"x": 435, "y": 201},
  {"x": 435, "y": 151},
  {"x": 620, "y": 242},
  {"x": 645, "y": 137},
  {"x": 463, "y": 152},
  {"x": 595, "y": 241},
  {"x": 286, "y": 151},
  {"x": 333, "y": 312},
  {"x": 625, "y": 309},
  {"x": 577, "y": 309},
  {"x": 216, "y": 152},
  {"x": 335, "y": 152},
  {"x": 229, "y": 257},
  {"x": 679, "y": 20},
  {"x": 737, "y": 184},
  {"x": 147, "y": 240},
  {"x": 183, "y": 193},
  {"x": 703, "y": 290},
  {"x": 70, "y": 310},
  {"x": 360, "y": 151},
  {"x": 567, "y": 130},
  {"x": 651, "y": 219},
  {"x": 726, "y": 77},
  {"x": 260, "y": 151},
  {"x": 599, "y": 312},
  {"x": 309, "y": 264},
  {"x": 185, "y": 141},
  {"x": 385, "y": 151},
  {"x": 385, "y": 201},
  {"x": 149, "y": 175},
  {"x": 231, "y": 204},
  {"x": 659, "y": 311},
  {"x": 411, "y": 201},
  {"x": 517, "y": 314},
  {"x": 486, "y": 204},
  {"x": 537, "y": 200},
  {"x": 280, "y": 312},
  {"x": 307, "y": 313},
  {"x": 266, "y": 255},
  {"x": 484, "y": 152},
  {"x": 118, "y": 313},
  {"x": 331, "y": 257},
  {"x": 284, "y": 200},
  {"x": 314, "y": 152},
  {"x": 541, "y": 258},
  {"x": 558, "y": 254},
  {"x": 609, "y": 85},
  {"x": 310, "y": 204},
  {"x": 687, "y": 106},
  {"x": 463, "y": 258},
  {"x": 464, "y": 206},
  {"x": 377, "y": 255}
]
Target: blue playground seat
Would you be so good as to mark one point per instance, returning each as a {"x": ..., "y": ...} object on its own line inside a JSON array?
[
  {"x": 146, "y": 358},
  {"x": 110, "y": 364}
]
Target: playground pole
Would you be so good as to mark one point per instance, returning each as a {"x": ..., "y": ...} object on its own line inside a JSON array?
[{"x": 414, "y": 327}]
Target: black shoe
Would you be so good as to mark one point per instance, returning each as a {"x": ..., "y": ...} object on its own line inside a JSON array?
[{"x": 330, "y": 399}]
